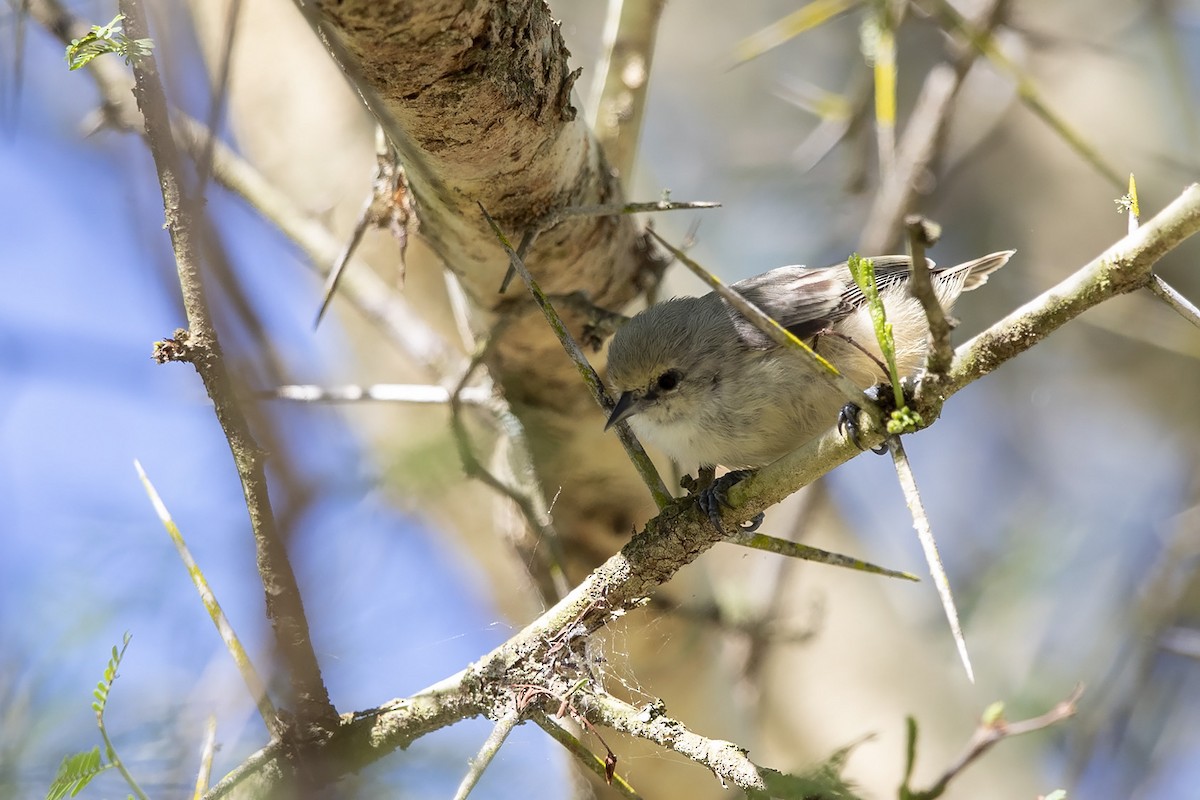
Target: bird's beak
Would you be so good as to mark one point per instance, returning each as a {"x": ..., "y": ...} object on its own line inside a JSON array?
[{"x": 622, "y": 410}]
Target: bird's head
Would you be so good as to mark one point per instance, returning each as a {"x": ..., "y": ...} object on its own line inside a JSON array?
[{"x": 662, "y": 364}]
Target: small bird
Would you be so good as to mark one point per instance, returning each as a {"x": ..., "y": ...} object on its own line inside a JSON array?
[{"x": 698, "y": 380}]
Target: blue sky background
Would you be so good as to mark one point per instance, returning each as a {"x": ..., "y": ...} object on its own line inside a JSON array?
[{"x": 89, "y": 287}]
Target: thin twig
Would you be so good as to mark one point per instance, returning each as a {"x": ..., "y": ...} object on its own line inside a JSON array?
[
  {"x": 991, "y": 732},
  {"x": 623, "y": 78},
  {"x": 255, "y": 685},
  {"x": 922, "y": 234},
  {"x": 586, "y": 757},
  {"x": 641, "y": 461},
  {"x": 388, "y": 205},
  {"x": 200, "y": 345},
  {"x": 1174, "y": 299},
  {"x": 379, "y": 392},
  {"x": 908, "y": 485},
  {"x": 804, "y": 552},
  {"x": 559, "y": 215},
  {"x": 208, "y": 750},
  {"x": 491, "y": 746}
]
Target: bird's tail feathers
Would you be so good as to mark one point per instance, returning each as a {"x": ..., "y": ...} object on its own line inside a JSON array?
[{"x": 975, "y": 273}]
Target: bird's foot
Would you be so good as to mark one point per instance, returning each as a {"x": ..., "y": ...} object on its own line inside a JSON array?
[
  {"x": 713, "y": 497},
  {"x": 847, "y": 423}
]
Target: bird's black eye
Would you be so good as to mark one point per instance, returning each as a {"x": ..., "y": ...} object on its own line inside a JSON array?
[{"x": 668, "y": 380}]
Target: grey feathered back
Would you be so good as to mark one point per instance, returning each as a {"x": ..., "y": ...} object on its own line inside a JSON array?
[{"x": 808, "y": 300}]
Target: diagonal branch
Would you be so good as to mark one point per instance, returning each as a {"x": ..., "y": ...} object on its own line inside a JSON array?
[{"x": 200, "y": 346}]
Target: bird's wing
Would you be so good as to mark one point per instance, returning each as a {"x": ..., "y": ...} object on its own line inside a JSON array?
[
  {"x": 890, "y": 272},
  {"x": 807, "y": 301},
  {"x": 801, "y": 299}
]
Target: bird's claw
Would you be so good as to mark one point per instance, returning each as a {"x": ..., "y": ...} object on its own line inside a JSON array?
[
  {"x": 847, "y": 425},
  {"x": 847, "y": 422},
  {"x": 715, "y": 497}
]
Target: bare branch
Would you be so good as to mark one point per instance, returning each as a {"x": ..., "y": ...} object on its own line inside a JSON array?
[
  {"x": 585, "y": 757},
  {"x": 727, "y": 760},
  {"x": 207, "y": 750},
  {"x": 245, "y": 667},
  {"x": 922, "y": 234},
  {"x": 988, "y": 735},
  {"x": 503, "y": 727},
  {"x": 379, "y": 392},
  {"x": 1174, "y": 299},
  {"x": 200, "y": 345},
  {"x": 1123, "y": 267},
  {"x": 908, "y": 485}
]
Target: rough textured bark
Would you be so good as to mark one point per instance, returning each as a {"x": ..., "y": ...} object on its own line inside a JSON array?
[{"x": 480, "y": 95}]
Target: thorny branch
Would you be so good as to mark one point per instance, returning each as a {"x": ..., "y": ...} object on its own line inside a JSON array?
[{"x": 200, "y": 346}]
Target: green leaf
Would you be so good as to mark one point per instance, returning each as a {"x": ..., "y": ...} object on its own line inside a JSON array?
[
  {"x": 108, "y": 38},
  {"x": 74, "y": 773}
]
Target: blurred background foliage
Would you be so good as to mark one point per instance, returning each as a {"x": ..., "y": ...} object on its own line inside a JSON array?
[{"x": 1062, "y": 488}]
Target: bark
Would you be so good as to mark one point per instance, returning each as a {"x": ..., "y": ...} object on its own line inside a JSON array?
[{"x": 479, "y": 99}]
